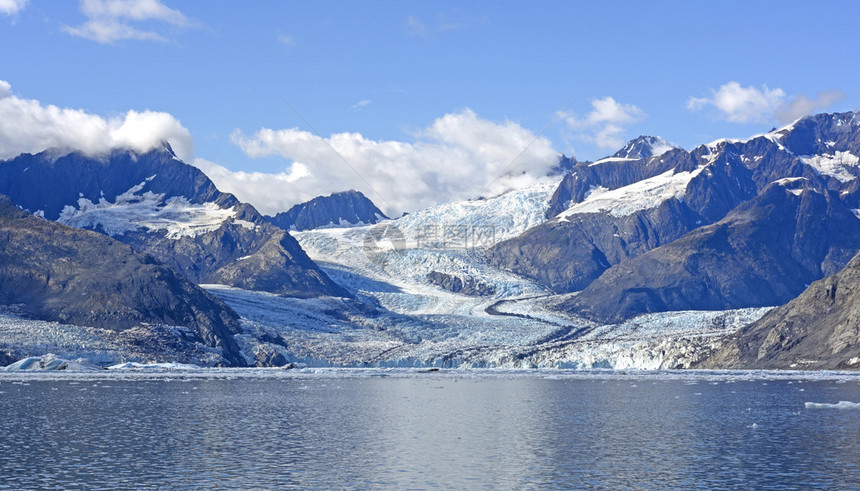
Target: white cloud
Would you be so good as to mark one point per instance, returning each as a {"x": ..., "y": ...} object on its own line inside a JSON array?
[
  {"x": 12, "y": 7},
  {"x": 268, "y": 192},
  {"x": 606, "y": 123},
  {"x": 286, "y": 40},
  {"x": 361, "y": 104},
  {"x": 27, "y": 125},
  {"x": 458, "y": 156},
  {"x": 111, "y": 20},
  {"x": 740, "y": 104}
]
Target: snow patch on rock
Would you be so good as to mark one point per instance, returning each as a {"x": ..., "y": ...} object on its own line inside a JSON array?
[
  {"x": 132, "y": 211},
  {"x": 642, "y": 195},
  {"x": 844, "y": 166}
]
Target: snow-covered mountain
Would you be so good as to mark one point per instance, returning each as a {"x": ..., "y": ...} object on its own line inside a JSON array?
[
  {"x": 731, "y": 224},
  {"x": 763, "y": 253},
  {"x": 643, "y": 148},
  {"x": 158, "y": 204},
  {"x": 344, "y": 209},
  {"x": 653, "y": 257}
]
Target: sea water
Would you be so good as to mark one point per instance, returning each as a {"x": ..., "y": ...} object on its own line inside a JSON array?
[{"x": 410, "y": 430}]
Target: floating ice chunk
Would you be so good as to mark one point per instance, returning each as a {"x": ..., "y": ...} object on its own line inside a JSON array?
[
  {"x": 153, "y": 366},
  {"x": 50, "y": 362},
  {"x": 31, "y": 363},
  {"x": 838, "y": 405}
]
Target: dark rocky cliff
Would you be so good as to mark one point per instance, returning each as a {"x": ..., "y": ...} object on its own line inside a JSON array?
[
  {"x": 58, "y": 273},
  {"x": 820, "y": 329}
]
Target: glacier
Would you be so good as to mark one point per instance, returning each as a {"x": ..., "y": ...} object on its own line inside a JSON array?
[{"x": 400, "y": 318}]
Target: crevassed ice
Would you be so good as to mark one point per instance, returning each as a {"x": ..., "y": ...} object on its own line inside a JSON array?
[
  {"x": 507, "y": 215},
  {"x": 149, "y": 211}
]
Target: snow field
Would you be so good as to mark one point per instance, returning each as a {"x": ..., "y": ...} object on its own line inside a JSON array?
[{"x": 150, "y": 211}]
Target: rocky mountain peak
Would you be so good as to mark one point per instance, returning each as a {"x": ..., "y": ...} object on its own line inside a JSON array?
[{"x": 643, "y": 147}]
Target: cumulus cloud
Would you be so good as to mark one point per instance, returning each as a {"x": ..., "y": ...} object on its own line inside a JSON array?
[
  {"x": 12, "y": 7},
  {"x": 606, "y": 123},
  {"x": 109, "y": 21},
  {"x": 739, "y": 104},
  {"x": 27, "y": 125},
  {"x": 458, "y": 156}
]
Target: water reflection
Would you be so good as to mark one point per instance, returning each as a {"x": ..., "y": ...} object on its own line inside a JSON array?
[{"x": 429, "y": 432}]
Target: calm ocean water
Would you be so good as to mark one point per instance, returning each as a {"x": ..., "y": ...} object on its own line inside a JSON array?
[{"x": 419, "y": 431}]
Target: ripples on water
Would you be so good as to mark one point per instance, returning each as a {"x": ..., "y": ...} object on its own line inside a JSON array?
[{"x": 429, "y": 431}]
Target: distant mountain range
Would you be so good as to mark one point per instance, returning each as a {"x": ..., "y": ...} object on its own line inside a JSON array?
[
  {"x": 707, "y": 229},
  {"x": 733, "y": 224}
]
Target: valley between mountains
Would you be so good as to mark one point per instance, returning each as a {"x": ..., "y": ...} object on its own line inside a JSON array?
[{"x": 735, "y": 254}]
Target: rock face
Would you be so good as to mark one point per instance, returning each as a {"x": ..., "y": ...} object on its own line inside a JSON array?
[
  {"x": 51, "y": 180},
  {"x": 622, "y": 208},
  {"x": 457, "y": 284},
  {"x": 339, "y": 209},
  {"x": 58, "y": 273},
  {"x": 820, "y": 329},
  {"x": 168, "y": 209},
  {"x": 763, "y": 253}
]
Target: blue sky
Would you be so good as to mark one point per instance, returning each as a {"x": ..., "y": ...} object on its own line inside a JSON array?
[{"x": 389, "y": 73}]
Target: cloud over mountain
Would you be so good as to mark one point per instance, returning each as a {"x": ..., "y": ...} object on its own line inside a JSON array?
[
  {"x": 458, "y": 156},
  {"x": 605, "y": 123},
  {"x": 27, "y": 125}
]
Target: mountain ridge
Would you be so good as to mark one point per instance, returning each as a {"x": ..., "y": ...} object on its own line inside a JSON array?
[
  {"x": 345, "y": 208},
  {"x": 160, "y": 205}
]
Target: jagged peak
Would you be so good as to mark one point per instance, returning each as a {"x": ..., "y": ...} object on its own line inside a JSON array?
[
  {"x": 165, "y": 146},
  {"x": 349, "y": 193},
  {"x": 645, "y": 146}
]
